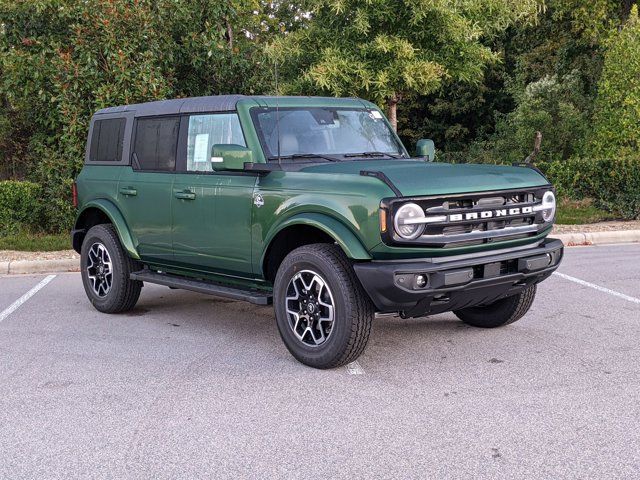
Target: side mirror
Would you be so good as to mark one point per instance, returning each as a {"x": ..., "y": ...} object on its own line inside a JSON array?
[
  {"x": 426, "y": 148},
  {"x": 230, "y": 157}
]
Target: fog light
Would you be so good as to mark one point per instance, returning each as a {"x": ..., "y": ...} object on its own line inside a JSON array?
[
  {"x": 554, "y": 256},
  {"x": 421, "y": 281}
]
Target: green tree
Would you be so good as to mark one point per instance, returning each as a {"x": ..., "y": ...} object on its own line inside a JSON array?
[
  {"x": 555, "y": 106},
  {"x": 547, "y": 80},
  {"x": 617, "y": 113},
  {"x": 386, "y": 50},
  {"x": 458, "y": 113}
]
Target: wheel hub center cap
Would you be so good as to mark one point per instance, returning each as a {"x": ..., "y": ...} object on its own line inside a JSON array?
[{"x": 311, "y": 308}]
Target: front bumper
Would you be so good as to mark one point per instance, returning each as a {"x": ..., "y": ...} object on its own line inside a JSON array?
[{"x": 458, "y": 283}]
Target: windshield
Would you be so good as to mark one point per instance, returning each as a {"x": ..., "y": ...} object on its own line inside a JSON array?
[{"x": 324, "y": 131}]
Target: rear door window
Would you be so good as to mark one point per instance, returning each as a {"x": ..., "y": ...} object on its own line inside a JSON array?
[
  {"x": 107, "y": 140},
  {"x": 155, "y": 145}
]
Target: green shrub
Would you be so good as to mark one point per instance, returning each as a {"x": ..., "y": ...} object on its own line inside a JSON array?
[
  {"x": 555, "y": 106},
  {"x": 19, "y": 206},
  {"x": 613, "y": 183},
  {"x": 617, "y": 115},
  {"x": 568, "y": 176},
  {"x": 55, "y": 171}
]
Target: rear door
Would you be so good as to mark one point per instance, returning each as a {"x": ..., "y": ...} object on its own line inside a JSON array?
[
  {"x": 211, "y": 209},
  {"x": 145, "y": 187},
  {"x": 107, "y": 154}
]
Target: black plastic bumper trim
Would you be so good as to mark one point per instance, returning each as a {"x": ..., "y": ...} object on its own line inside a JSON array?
[{"x": 449, "y": 286}]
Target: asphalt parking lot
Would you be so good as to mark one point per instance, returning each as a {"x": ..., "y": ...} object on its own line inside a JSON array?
[{"x": 190, "y": 386}]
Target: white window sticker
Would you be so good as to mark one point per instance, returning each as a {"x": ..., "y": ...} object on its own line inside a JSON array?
[
  {"x": 200, "y": 153},
  {"x": 376, "y": 114}
]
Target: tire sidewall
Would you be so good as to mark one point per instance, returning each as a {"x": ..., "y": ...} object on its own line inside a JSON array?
[
  {"x": 503, "y": 312},
  {"x": 339, "y": 336},
  {"x": 99, "y": 234}
]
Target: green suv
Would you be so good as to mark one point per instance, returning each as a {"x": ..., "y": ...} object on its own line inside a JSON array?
[{"x": 312, "y": 204}]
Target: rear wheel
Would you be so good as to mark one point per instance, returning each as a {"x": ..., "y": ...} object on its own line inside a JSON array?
[
  {"x": 323, "y": 314},
  {"x": 502, "y": 312},
  {"x": 105, "y": 269}
]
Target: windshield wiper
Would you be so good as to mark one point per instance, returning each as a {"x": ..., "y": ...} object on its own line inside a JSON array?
[
  {"x": 372, "y": 154},
  {"x": 304, "y": 155}
]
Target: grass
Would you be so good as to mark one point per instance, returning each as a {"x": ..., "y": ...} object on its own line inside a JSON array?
[
  {"x": 580, "y": 212},
  {"x": 29, "y": 242}
]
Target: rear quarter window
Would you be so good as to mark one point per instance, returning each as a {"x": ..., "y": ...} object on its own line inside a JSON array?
[{"x": 107, "y": 140}]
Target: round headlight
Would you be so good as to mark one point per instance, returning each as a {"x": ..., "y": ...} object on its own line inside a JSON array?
[
  {"x": 408, "y": 221},
  {"x": 548, "y": 206}
]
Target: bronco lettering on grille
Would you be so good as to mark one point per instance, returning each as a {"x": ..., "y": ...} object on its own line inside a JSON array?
[{"x": 503, "y": 212}]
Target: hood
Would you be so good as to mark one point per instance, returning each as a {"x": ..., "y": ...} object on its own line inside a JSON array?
[{"x": 415, "y": 178}]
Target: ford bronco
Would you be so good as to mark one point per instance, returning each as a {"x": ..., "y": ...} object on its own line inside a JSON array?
[{"x": 312, "y": 204}]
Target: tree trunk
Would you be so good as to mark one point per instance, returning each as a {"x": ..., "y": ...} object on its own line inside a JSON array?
[
  {"x": 626, "y": 8},
  {"x": 229, "y": 34},
  {"x": 392, "y": 112}
]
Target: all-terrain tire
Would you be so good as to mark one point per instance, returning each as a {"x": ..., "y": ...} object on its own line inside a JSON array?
[
  {"x": 502, "y": 312},
  {"x": 122, "y": 293},
  {"x": 353, "y": 311}
]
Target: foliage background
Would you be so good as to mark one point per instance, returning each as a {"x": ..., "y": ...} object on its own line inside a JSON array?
[{"x": 480, "y": 77}]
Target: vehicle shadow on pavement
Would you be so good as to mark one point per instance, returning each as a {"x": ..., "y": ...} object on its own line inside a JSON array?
[
  {"x": 252, "y": 328},
  {"x": 240, "y": 335}
]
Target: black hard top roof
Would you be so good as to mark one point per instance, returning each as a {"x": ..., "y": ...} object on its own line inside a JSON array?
[{"x": 217, "y": 103}]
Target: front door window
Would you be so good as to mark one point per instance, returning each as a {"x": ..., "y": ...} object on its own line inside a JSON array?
[{"x": 205, "y": 131}]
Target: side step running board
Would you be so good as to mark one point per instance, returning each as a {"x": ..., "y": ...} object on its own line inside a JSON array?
[{"x": 201, "y": 286}]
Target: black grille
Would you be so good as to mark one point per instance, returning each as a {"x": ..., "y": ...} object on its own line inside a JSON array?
[{"x": 474, "y": 219}]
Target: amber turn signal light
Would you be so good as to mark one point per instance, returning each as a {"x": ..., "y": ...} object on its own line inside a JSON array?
[{"x": 383, "y": 220}]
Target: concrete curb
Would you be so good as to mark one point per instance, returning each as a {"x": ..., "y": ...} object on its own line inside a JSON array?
[
  {"x": 598, "y": 238},
  {"x": 40, "y": 266},
  {"x": 73, "y": 264}
]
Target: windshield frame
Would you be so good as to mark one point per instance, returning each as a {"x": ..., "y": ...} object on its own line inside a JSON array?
[{"x": 401, "y": 152}]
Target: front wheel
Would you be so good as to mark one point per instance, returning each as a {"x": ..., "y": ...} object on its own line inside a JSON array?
[
  {"x": 105, "y": 268},
  {"x": 502, "y": 312},
  {"x": 323, "y": 314}
]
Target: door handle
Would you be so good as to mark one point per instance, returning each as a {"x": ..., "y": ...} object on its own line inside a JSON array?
[
  {"x": 185, "y": 195},
  {"x": 129, "y": 191}
]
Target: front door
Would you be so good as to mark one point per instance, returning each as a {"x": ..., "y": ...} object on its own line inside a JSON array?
[
  {"x": 145, "y": 188},
  {"x": 212, "y": 209}
]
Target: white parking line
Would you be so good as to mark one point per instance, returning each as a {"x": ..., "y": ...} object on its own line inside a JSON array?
[
  {"x": 354, "y": 368},
  {"x": 15, "y": 305},
  {"x": 598, "y": 287}
]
